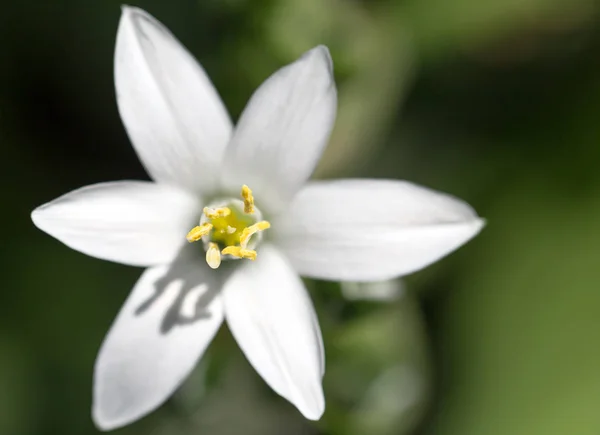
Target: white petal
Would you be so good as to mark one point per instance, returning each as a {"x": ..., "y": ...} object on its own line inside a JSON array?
[
  {"x": 131, "y": 222},
  {"x": 371, "y": 230},
  {"x": 271, "y": 316},
  {"x": 283, "y": 130},
  {"x": 164, "y": 327},
  {"x": 173, "y": 115}
]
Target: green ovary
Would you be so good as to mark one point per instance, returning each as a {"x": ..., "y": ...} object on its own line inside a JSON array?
[{"x": 227, "y": 230}]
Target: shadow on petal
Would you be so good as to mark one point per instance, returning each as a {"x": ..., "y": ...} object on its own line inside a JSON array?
[
  {"x": 169, "y": 319},
  {"x": 197, "y": 286}
]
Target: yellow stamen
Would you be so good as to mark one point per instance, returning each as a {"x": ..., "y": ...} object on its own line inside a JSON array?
[
  {"x": 251, "y": 230},
  {"x": 198, "y": 232},
  {"x": 230, "y": 228},
  {"x": 213, "y": 256},
  {"x": 214, "y": 213},
  {"x": 239, "y": 252},
  {"x": 248, "y": 200}
]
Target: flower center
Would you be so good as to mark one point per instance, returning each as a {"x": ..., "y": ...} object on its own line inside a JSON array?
[{"x": 227, "y": 230}]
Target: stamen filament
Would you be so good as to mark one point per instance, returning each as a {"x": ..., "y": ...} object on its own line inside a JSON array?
[
  {"x": 248, "y": 200},
  {"x": 239, "y": 252},
  {"x": 198, "y": 232},
  {"x": 251, "y": 230}
]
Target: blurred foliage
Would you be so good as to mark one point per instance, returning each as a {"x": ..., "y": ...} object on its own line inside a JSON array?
[{"x": 495, "y": 101}]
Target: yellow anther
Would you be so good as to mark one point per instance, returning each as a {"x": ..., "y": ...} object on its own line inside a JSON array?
[
  {"x": 251, "y": 230},
  {"x": 228, "y": 226},
  {"x": 198, "y": 232},
  {"x": 239, "y": 252},
  {"x": 248, "y": 200},
  {"x": 214, "y": 213},
  {"x": 213, "y": 256}
]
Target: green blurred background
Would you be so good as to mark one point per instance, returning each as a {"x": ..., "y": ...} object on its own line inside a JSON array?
[{"x": 495, "y": 101}]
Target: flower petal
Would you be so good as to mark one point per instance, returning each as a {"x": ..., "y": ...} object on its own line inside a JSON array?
[
  {"x": 173, "y": 114},
  {"x": 371, "y": 230},
  {"x": 283, "y": 130},
  {"x": 164, "y": 327},
  {"x": 271, "y": 316},
  {"x": 131, "y": 222}
]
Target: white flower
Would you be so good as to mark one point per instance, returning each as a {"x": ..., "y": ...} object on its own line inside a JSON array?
[{"x": 352, "y": 230}]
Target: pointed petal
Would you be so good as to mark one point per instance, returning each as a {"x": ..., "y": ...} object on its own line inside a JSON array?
[
  {"x": 283, "y": 130},
  {"x": 131, "y": 222},
  {"x": 371, "y": 230},
  {"x": 171, "y": 111},
  {"x": 272, "y": 318},
  {"x": 170, "y": 317}
]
